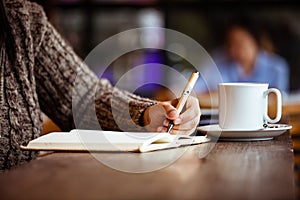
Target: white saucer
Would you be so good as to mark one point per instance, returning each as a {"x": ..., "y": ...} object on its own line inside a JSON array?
[{"x": 268, "y": 133}]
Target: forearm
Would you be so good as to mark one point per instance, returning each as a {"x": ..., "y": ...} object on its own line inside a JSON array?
[{"x": 75, "y": 94}]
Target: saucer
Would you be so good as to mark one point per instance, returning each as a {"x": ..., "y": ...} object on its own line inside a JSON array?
[{"x": 268, "y": 133}]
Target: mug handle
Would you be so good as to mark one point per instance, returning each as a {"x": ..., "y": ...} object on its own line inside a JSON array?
[{"x": 279, "y": 105}]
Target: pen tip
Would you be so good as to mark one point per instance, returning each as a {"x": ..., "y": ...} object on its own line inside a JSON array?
[{"x": 169, "y": 128}]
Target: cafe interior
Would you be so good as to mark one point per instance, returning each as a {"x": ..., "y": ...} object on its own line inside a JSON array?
[{"x": 237, "y": 170}]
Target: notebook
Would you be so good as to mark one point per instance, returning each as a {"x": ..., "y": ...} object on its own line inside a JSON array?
[{"x": 94, "y": 140}]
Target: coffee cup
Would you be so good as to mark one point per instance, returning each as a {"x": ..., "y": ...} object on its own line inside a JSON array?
[{"x": 244, "y": 106}]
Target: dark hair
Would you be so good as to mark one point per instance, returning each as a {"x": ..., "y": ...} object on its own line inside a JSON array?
[
  {"x": 6, "y": 36},
  {"x": 251, "y": 25}
]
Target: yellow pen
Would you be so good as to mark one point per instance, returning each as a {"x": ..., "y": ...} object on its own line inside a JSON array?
[{"x": 184, "y": 96}]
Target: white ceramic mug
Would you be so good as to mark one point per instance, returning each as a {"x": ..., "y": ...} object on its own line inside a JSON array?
[{"x": 244, "y": 106}]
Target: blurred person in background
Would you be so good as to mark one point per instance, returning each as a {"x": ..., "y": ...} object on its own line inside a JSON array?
[{"x": 243, "y": 58}]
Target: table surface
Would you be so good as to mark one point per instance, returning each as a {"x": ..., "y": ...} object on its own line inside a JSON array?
[{"x": 232, "y": 170}]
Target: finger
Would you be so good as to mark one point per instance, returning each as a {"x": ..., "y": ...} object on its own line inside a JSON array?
[
  {"x": 162, "y": 129},
  {"x": 171, "y": 112},
  {"x": 192, "y": 102},
  {"x": 192, "y": 111},
  {"x": 176, "y": 121},
  {"x": 166, "y": 122},
  {"x": 182, "y": 132},
  {"x": 191, "y": 124},
  {"x": 186, "y": 117}
]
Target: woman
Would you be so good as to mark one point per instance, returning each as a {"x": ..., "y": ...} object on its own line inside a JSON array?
[
  {"x": 243, "y": 59},
  {"x": 38, "y": 71}
]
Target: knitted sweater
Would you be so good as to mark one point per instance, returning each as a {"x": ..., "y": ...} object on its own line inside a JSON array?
[{"x": 49, "y": 77}]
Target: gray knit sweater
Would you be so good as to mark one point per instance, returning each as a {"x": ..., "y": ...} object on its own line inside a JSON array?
[{"x": 42, "y": 79}]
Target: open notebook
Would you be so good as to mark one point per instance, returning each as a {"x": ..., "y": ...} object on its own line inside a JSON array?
[{"x": 92, "y": 140}]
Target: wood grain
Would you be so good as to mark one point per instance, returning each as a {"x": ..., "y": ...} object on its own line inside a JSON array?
[{"x": 232, "y": 170}]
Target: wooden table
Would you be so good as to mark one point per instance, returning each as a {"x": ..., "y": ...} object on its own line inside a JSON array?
[{"x": 232, "y": 170}]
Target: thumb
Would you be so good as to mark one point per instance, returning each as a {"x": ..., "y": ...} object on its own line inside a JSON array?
[{"x": 171, "y": 112}]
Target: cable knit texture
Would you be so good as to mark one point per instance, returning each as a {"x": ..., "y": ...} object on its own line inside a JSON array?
[{"x": 43, "y": 77}]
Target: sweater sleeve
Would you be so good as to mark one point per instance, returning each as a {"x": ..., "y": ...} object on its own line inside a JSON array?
[{"x": 69, "y": 91}]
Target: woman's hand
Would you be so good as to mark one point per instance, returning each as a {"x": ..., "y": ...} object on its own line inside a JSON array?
[{"x": 157, "y": 117}]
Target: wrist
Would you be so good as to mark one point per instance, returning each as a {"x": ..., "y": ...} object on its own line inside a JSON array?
[{"x": 145, "y": 117}]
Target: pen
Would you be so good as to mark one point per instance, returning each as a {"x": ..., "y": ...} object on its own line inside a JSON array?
[{"x": 184, "y": 96}]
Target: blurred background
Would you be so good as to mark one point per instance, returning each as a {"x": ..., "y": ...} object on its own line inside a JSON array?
[{"x": 86, "y": 23}]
